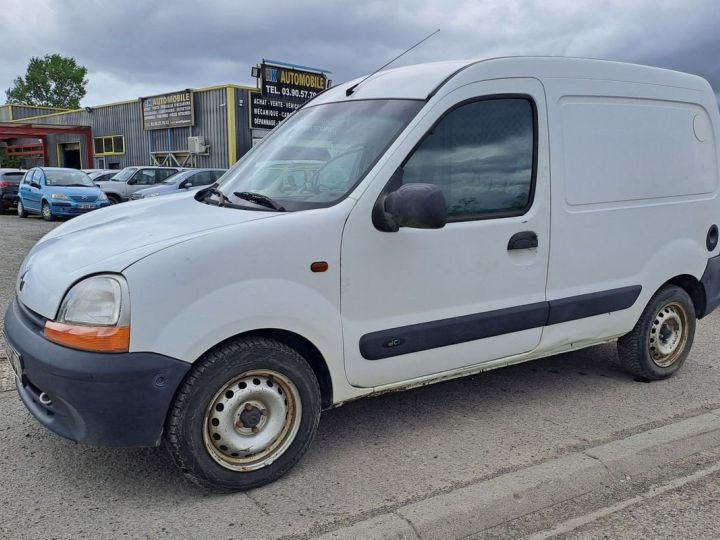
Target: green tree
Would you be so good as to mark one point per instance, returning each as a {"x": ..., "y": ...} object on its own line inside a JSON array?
[{"x": 51, "y": 81}]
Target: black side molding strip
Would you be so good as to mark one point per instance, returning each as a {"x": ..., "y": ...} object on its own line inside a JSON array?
[
  {"x": 444, "y": 332},
  {"x": 586, "y": 305}
]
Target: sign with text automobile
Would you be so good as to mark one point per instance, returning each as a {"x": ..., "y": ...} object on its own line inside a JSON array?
[
  {"x": 290, "y": 84},
  {"x": 168, "y": 110}
]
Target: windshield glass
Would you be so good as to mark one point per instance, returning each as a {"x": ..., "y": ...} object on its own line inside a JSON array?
[
  {"x": 67, "y": 178},
  {"x": 124, "y": 175},
  {"x": 320, "y": 154},
  {"x": 177, "y": 177}
]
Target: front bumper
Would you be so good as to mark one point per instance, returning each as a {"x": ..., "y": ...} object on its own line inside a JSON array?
[
  {"x": 97, "y": 398},
  {"x": 710, "y": 281},
  {"x": 65, "y": 208},
  {"x": 8, "y": 199}
]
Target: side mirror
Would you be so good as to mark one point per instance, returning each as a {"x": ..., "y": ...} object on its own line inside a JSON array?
[
  {"x": 186, "y": 185},
  {"x": 419, "y": 206},
  {"x": 132, "y": 182},
  {"x": 34, "y": 184}
]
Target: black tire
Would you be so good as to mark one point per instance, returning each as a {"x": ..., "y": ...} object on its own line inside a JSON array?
[
  {"x": 187, "y": 428},
  {"x": 114, "y": 199},
  {"x": 21, "y": 210},
  {"x": 642, "y": 352},
  {"x": 46, "y": 212}
]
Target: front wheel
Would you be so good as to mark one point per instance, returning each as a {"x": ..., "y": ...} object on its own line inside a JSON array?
[
  {"x": 245, "y": 415},
  {"x": 46, "y": 212},
  {"x": 21, "y": 212},
  {"x": 661, "y": 340}
]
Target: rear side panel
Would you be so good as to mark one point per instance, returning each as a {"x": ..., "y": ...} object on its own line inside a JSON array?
[{"x": 634, "y": 192}]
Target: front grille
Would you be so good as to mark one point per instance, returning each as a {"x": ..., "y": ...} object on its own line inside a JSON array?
[{"x": 84, "y": 198}]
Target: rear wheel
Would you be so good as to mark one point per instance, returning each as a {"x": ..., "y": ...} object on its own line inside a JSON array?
[
  {"x": 245, "y": 415},
  {"x": 661, "y": 340},
  {"x": 21, "y": 209},
  {"x": 46, "y": 212}
]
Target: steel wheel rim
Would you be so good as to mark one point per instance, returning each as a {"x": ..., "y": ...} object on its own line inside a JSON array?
[
  {"x": 252, "y": 420},
  {"x": 668, "y": 334},
  {"x": 46, "y": 210},
  {"x": 19, "y": 208}
]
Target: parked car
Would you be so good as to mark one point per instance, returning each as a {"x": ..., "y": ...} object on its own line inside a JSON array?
[
  {"x": 189, "y": 180},
  {"x": 132, "y": 179},
  {"x": 101, "y": 175},
  {"x": 9, "y": 181},
  {"x": 56, "y": 192},
  {"x": 468, "y": 216}
]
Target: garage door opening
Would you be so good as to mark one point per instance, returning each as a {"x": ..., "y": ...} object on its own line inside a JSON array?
[{"x": 69, "y": 155}]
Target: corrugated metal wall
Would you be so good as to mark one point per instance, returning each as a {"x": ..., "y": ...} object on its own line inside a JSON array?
[
  {"x": 55, "y": 140},
  {"x": 122, "y": 119},
  {"x": 210, "y": 123}
]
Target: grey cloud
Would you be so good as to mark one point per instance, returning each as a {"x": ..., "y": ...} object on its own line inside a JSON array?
[{"x": 139, "y": 47}]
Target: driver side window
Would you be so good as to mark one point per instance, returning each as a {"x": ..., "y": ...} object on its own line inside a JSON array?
[
  {"x": 145, "y": 177},
  {"x": 481, "y": 155}
]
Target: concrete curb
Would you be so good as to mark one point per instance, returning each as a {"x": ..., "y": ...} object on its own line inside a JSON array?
[{"x": 488, "y": 503}]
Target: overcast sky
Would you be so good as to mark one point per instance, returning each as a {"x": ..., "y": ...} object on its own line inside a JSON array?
[{"x": 137, "y": 48}]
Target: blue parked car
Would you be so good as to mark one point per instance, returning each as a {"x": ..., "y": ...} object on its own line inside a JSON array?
[
  {"x": 54, "y": 192},
  {"x": 190, "y": 180}
]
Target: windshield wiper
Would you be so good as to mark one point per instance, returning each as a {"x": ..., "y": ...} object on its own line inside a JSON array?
[{"x": 259, "y": 198}]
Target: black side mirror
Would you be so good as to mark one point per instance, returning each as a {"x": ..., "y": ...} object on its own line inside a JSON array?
[
  {"x": 34, "y": 184},
  {"x": 419, "y": 206},
  {"x": 186, "y": 185}
]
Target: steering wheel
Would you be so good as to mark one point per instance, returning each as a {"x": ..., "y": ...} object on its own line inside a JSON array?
[{"x": 316, "y": 186}]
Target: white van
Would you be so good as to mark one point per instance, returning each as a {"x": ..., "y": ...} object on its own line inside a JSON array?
[{"x": 430, "y": 222}]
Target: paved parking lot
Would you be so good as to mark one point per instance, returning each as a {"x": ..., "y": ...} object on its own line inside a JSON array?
[{"x": 370, "y": 457}]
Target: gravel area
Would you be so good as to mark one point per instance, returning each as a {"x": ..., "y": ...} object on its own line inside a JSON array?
[{"x": 17, "y": 236}]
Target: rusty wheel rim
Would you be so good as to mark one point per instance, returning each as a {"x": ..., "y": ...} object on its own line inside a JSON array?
[
  {"x": 668, "y": 334},
  {"x": 252, "y": 420}
]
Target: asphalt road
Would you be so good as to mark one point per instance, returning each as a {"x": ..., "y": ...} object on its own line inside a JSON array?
[{"x": 371, "y": 456}]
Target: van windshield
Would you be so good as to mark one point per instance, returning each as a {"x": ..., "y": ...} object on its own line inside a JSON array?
[{"x": 319, "y": 155}]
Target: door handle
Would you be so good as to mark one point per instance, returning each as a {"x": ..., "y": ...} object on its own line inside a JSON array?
[{"x": 523, "y": 240}]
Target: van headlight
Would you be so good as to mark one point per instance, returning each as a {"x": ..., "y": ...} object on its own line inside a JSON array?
[{"x": 94, "y": 316}]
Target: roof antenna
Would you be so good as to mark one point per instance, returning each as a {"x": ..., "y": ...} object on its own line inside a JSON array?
[{"x": 350, "y": 90}]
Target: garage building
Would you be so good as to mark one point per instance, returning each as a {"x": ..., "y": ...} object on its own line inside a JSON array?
[{"x": 205, "y": 127}]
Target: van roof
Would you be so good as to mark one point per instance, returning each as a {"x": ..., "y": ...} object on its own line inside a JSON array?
[{"x": 421, "y": 80}]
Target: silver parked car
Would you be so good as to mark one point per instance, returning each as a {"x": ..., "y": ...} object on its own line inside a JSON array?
[
  {"x": 189, "y": 180},
  {"x": 132, "y": 179}
]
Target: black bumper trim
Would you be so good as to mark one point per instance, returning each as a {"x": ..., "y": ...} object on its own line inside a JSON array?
[
  {"x": 710, "y": 281},
  {"x": 99, "y": 399}
]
